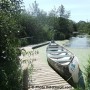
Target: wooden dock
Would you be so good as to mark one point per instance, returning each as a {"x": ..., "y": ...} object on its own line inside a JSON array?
[{"x": 45, "y": 78}]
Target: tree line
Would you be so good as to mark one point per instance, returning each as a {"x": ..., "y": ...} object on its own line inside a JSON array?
[
  {"x": 83, "y": 27},
  {"x": 39, "y": 26}
]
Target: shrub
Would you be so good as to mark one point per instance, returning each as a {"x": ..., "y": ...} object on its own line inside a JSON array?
[{"x": 10, "y": 71}]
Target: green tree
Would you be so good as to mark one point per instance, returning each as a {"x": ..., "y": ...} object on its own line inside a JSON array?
[
  {"x": 58, "y": 20},
  {"x": 63, "y": 31},
  {"x": 81, "y": 25},
  {"x": 10, "y": 71},
  {"x": 34, "y": 9},
  {"x": 62, "y": 12},
  {"x": 33, "y": 28},
  {"x": 88, "y": 28}
]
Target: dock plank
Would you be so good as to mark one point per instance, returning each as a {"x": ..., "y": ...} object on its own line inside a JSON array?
[{"x": 45, "y": 78}]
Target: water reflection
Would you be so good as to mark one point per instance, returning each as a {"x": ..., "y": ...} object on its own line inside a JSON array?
[{"x": 79, "y": 41}]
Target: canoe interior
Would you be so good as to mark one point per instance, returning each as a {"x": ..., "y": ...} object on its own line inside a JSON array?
[{"x": 59, "y": 60}]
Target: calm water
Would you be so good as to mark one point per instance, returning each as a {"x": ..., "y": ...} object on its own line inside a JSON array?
[{"x": 79, "y": 42}]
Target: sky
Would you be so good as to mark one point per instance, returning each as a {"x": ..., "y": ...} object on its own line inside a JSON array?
[{"x": 79, "y": 9}]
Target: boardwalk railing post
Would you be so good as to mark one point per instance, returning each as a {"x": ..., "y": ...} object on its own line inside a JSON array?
[{"x": 25, "y": 79}]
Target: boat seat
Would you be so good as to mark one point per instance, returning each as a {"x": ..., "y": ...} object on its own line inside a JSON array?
[
  {"x": 58, "y": 56},
  {"x": 54, "y": 48},
  {"x": 52, "y": 44},
  {"x": 58, "y": 53},
  {"x": 62, "y": 60}
]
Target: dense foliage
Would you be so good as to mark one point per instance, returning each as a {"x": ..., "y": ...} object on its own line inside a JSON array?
[
  {"x": 38, "y": 26},
  {"x": 10, "y": 71},
  {"x": 83, "y": 27}
]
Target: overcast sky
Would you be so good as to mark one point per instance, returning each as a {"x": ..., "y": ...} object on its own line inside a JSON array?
[{"x": 80, "y": 9}]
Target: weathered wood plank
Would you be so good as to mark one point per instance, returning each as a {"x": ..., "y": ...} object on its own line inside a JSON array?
[{"x": 44, "y": 75}]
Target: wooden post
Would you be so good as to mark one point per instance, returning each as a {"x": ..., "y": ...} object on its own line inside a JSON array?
[{"x": 25, "y": 79}]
